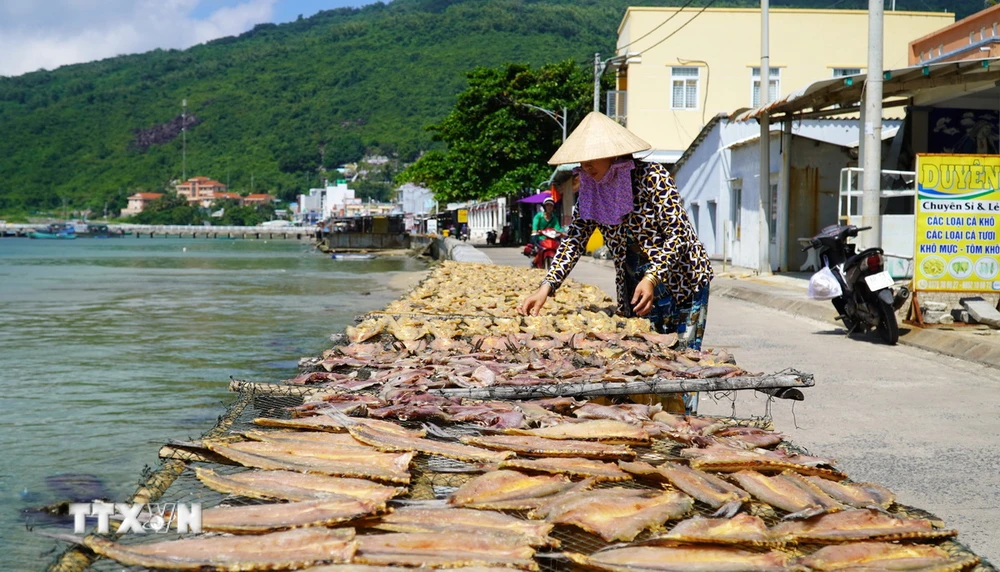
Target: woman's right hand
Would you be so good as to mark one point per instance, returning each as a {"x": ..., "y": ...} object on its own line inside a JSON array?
[{"x": 532, "y": 304}]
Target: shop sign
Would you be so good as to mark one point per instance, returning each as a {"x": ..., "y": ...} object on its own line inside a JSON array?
[{"x": 957, "y": 222}]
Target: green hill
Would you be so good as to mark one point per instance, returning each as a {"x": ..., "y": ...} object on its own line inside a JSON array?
[{"x": 275, "y": 106}]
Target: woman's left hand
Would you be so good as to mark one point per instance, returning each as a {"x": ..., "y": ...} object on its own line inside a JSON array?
[{"x": 642, "y": 300}]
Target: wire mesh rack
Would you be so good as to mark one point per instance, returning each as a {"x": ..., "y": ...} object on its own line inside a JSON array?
[{"x": 432, "y": 477}]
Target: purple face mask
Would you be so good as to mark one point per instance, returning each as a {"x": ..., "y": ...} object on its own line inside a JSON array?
[{"x": 606, "y": 201}]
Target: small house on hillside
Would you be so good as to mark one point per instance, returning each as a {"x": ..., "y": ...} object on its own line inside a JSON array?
[
  {"x": 258, "y": 199},
  {"x": 200, "y": 190},
  {"x": 137, "y": 202}
]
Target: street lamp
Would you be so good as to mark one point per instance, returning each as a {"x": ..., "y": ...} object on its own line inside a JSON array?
[{"x": 561, "y": 120}]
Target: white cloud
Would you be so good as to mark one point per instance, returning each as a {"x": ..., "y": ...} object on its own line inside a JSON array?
[{"x": 51, "y": 33}]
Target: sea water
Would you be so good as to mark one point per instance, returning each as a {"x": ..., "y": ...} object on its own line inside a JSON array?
[{"x": 111, "y": 347}]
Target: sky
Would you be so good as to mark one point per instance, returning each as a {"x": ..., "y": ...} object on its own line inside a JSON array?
[{"x": 36, "y": 34}]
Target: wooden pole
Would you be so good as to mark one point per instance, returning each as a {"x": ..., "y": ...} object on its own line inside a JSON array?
[{"x": 656, "y": 386}]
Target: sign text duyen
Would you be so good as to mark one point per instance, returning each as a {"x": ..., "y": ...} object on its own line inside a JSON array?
[
  {"x": 957, "y": 223},
  {"x": 137, "y": 518}
]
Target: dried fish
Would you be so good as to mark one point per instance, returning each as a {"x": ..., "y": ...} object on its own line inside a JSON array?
[
  {"x": 354, "y": 461},
  {"x": 254, "y": 519},
  {"x": 885, "y": 556},
  {"x": 495, "y": 487},
  {"x": 682, "y": 559},
  {"x": 617, "y": 513},
  {"x": 292, "y": 486},
  {"x": 624, "y": 412},
  {"x": 742, "y": 529},
  {"x": 597, "y": 430},
  {"x": 372, "y": 568},
  {"x": 717, "y": 457},
  {"x": 338, "y": 440},
  {"x": 312, "y": 449},
  {"x": 463, "y": 521},
  {"x": 285, "y": 550},
  {"x": 751, "y": 436},
  {"x": 434, "y": 550},
  {"x": 789, "y": 492},
  {"x": 858, "y": 495},
  {"x": 860, "y": 524},
  {"x": 382, "y": 468},
  {"x": 327, "y": 423},
  {"x": 703, "y": 486},
  {"x": 541, "y": 447},
  {"x": 573, "y": 467},
  {"x": 366, "y": 330},
  {"x": 387, "y": 441}
]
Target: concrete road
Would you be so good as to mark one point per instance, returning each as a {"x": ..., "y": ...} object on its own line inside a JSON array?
[
  {"x": 925, "y": 425},
  {"x": 922, "y": 424}
]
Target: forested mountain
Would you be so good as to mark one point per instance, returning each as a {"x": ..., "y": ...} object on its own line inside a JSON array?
[{"x": 281, "y": 103}]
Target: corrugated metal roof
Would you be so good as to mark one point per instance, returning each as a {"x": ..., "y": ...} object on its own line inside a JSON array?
[{"x": 842, "y": 94}]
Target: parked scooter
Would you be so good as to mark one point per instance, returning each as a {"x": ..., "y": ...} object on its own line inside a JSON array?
[
  {"x": 491, "y": 237},
  {"x": 544, "y": 250},
  {"x": 867, "y": 297}
]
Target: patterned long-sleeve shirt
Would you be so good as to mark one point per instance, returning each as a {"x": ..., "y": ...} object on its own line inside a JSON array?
[{"x": 662, "y": 230}]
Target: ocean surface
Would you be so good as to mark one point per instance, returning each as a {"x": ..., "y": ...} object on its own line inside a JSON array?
[{"x": 110, "y": 347}]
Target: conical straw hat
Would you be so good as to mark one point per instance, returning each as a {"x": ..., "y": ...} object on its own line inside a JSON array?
[{"x": 596, "y": 137}]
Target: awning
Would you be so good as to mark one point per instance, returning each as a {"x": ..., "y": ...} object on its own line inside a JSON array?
[
  {"x": 843, "y": 95},
  {"x": 535, "y": 199}
]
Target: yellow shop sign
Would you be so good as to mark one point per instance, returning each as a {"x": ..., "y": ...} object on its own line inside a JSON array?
[{"x": 957, "y": 223}]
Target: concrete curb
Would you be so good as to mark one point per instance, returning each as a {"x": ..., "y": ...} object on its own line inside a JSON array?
[
  {"x": 462, "y": 251},
  {"x": 943, "y": 342}
]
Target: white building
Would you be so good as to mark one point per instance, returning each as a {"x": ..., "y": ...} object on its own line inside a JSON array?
[
  {"x": 415, "y": 199},
  {"x": 324, "y": 202},
  {"x": 718, "y": 178},
  {"x": 487, "y": 216}
]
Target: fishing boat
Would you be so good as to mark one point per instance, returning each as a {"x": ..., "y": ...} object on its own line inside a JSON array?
[
  {"x": 351, "y": 256},
  {"x": 55, "y": 230},
  {"x": 100, "y": 231}
]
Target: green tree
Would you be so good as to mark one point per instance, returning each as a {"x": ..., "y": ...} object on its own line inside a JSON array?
[
  {"x": 169, "y": 209},
  {"x": 244, "y": 215},
  {"x": 496, "y": 145}
]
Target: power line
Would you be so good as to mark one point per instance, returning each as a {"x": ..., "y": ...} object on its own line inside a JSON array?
[
  {"x": 689, "y": 2},
  {"x": 705, "y": 7}
]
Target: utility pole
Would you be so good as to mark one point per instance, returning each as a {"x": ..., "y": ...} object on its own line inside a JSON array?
[
  {"x": 184, "y": 169},
  {"x": 764, "y": 240},
  {"x": 597, "y": 81},
  {"x": 871, "y": 197},
  {"x": 564, "y": 124}
]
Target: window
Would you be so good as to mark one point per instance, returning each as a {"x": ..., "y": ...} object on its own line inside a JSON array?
[
  {"x": 844, "y": 72},
  {"x": 994, "y": 28},
  {"x": 695, "y": 211},
  {"x": 972, "y": 37},
  {"x": 685, "y": 87},
  {"x": 982, "y": 33},
  {"x": 736, "y": 207},
  {"x": 773, "y": 86}
]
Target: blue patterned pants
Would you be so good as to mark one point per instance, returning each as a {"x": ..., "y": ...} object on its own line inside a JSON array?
[{"x": 687, "y": 320}]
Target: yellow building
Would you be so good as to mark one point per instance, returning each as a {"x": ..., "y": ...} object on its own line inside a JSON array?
[{"x": 684, "y": 67}]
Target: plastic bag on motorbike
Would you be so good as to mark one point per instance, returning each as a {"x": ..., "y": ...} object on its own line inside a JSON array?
[{"x": 824, "y": 285}]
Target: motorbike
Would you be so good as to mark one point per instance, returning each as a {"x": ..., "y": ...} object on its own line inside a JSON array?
[
  {"x": 491, "y": 237},
  {"x": 544, "y": 250},
  {"x": 867, "y": 297}
]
